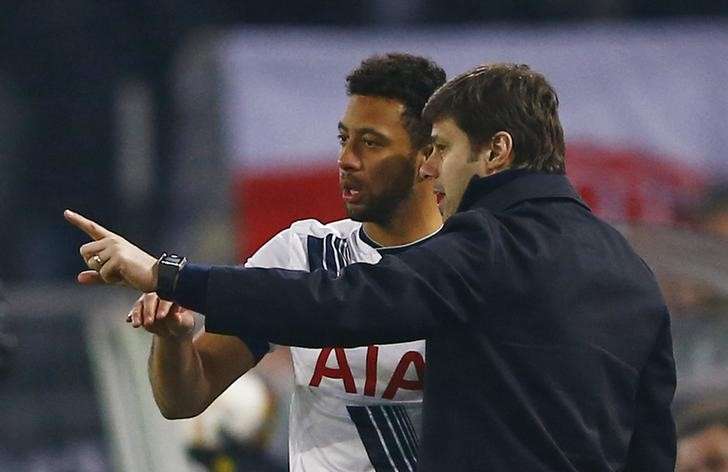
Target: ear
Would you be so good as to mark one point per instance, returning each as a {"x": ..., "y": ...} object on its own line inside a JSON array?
[{"x": 501, "y": 153}]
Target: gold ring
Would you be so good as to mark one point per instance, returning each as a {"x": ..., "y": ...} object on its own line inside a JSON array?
[{"x": 95, "y": 263}]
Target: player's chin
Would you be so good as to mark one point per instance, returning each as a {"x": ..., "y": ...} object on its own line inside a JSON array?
[{"x": 357, "y": 211}]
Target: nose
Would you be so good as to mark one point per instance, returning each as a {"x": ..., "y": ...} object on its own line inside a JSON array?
[
  {"x": 348, "y": 160},
  {"x": 430, "y": 169}
]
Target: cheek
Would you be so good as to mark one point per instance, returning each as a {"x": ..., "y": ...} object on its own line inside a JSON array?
[
  {"x": 393, "y": 170},
  {"x": 451, "y": 176},
  {"x": 456, "y": 177}
]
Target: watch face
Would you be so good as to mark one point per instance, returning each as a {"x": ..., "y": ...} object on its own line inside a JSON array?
[
  {"x": 172, "y": 259},
  {"x": 169, "y": 268}
]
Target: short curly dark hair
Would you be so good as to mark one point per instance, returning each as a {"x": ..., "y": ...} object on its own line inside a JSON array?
[{"x": 404, "y": 77}]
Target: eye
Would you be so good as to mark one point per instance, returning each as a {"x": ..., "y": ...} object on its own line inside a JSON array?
[
  {"x": 369, "y": 143},
  {"x": 342, "y": 139},
  {"x": 428, "y": 151},
  {"x": 437, "y": 149}
]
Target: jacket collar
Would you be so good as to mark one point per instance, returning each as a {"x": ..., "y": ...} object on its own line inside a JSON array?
[{"x": 510, "y": 187}]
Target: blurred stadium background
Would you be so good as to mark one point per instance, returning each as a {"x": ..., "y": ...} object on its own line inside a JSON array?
[{"x": 206, "y": 127}]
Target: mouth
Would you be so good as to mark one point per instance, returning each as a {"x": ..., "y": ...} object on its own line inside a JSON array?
[
  {"x": 439, "y": 197},
  {"x": 350, "y": 192}
]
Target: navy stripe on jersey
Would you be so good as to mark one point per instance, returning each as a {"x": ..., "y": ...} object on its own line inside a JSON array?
[
  {"x": 341, "y": 252},
  {"x": 386, "y": 437},
  {"x": 405, "y": 424},
  {"x": 331, "y": 262},
  {"x": 315, "y": 247},
  {"x": 330, "y": 253}
]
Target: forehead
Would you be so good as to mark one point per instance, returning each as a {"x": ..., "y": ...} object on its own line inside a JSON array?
[
  {"x": 447, "y": 130},
  {"x": 373, "y": 112}
]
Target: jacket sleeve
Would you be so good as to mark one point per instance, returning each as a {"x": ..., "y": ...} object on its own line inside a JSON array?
[
  {"x": 279, "y": 251},
  {"x": 653, "y": 443},
  {"x": 402, "y": 298}
]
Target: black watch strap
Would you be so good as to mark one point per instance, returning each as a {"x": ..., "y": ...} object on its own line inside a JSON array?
[{"x": 168, "y": 267}]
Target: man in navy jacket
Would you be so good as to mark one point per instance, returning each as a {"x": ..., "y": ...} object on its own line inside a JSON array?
[{"x": 548, "y": 341}]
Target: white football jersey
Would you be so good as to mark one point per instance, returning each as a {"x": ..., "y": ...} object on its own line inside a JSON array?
[{"x": 352, "y": 409}]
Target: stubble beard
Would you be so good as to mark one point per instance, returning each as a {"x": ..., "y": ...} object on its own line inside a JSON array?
[{"x": 381, "y": 208}]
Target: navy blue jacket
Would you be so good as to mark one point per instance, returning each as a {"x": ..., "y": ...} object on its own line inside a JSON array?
[{"x": 548, "y": 340}]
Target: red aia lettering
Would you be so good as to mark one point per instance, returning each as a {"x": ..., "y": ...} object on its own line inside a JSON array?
[
  {"x": 398, "y": 381},
  {"x": 343, "y": 372},
  {"x": 370, "y": 386}
]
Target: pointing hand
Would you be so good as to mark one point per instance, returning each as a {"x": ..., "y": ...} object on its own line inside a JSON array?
[{"x": 113, "y": 259}]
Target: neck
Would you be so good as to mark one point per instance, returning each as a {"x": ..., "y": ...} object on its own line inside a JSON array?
[{"x": 414, "y": 219}]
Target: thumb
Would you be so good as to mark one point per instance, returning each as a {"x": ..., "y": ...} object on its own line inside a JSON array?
[
  {"x": 185, "y": 319},
  {"x": 89, "y": 277}
]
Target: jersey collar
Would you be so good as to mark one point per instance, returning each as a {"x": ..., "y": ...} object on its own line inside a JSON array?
[{"x": 392, "y": 249}]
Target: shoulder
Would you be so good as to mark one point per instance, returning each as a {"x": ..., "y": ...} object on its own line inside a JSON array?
[
  {"x": 311, "y": 227},
  {"x": 301, "y": 229},
  {"x": 288, "y": 248},
  {"x": 471, "y": 221}
]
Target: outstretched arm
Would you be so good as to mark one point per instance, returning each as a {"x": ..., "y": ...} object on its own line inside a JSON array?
[
  {"x": 405, "y": 297},
  {"x": 410, "y": 296}
]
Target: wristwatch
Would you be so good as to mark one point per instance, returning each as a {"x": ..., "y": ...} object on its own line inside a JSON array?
[{"x": 168, "y": 267}]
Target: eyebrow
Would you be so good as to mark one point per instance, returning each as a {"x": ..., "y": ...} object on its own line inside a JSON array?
[
  {"x": 342, "y": 127},
  {"x": 437, "y": 139}
]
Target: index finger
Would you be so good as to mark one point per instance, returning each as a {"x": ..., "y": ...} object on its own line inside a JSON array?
[{"x": 93, "y": 229}]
